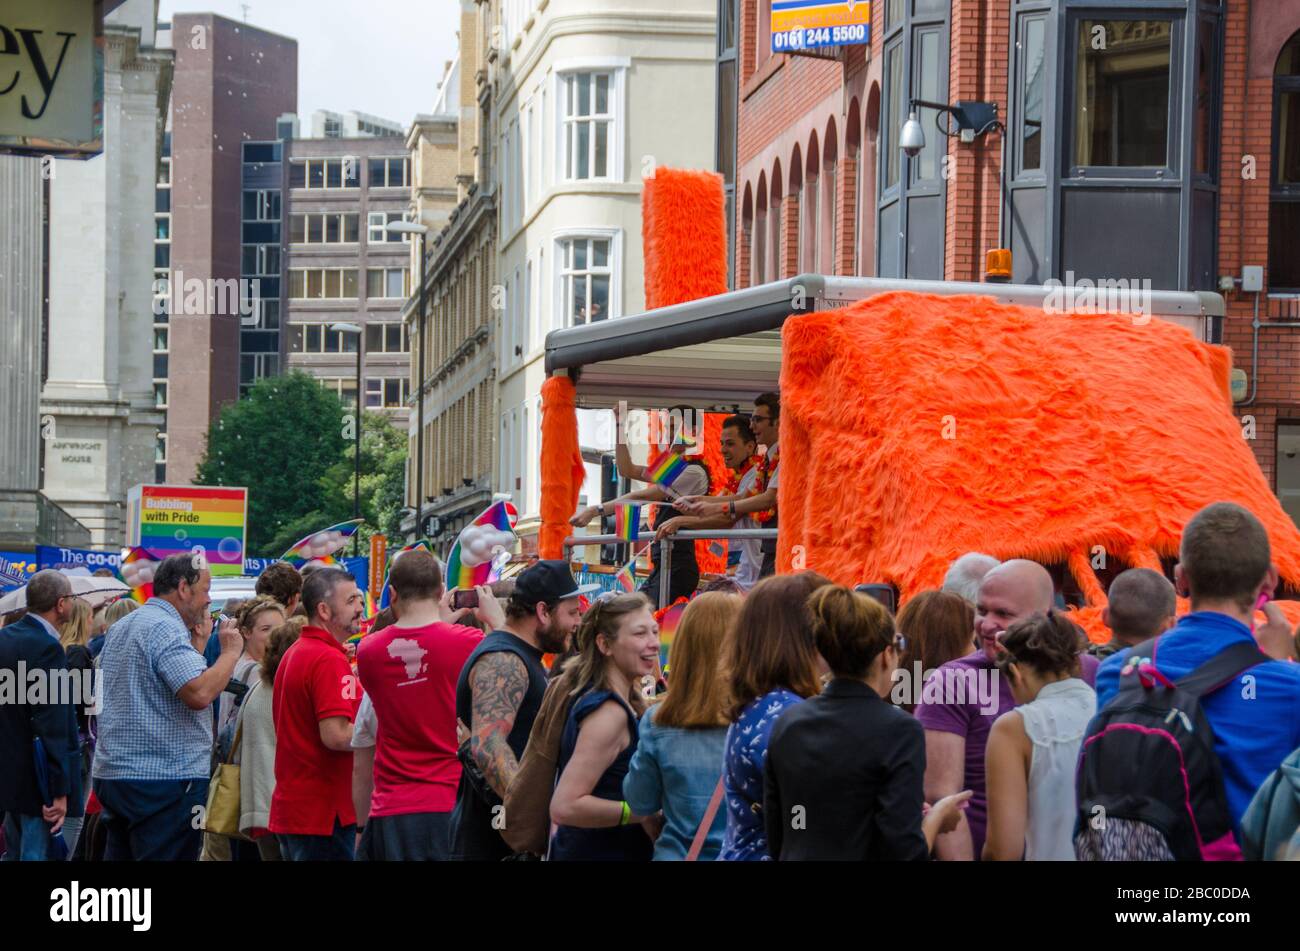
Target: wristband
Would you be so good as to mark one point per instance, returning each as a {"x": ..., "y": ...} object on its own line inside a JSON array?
[
  {"x": 627, "y": 814},
  {"x": 600, "y": 509},
  {"x": 731, "y": 509}
]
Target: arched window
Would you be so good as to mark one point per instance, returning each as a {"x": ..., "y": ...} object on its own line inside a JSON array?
[
  {"x": 745, "y": 253},
  {"x": 808, "y": 260},
  {"x": 758, "y": 255},
  {"x": 853, "y": 184},
  {"x": 799, "y": 193},
  {"x": 776, "y": 266},
  {"x": 1284, "y": 191},
  {"x": 829, "y": 252}
]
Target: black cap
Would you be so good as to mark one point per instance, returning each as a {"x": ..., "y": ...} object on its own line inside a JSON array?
[{"x": 548, "y": 581}]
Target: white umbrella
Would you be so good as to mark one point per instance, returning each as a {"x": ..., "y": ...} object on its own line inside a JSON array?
[{"x": 95, "y": 590}]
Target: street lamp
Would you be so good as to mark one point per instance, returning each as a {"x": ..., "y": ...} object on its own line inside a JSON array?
[
  {"x": 411, "y": 227},
  {"x": 345, "y": 328}
]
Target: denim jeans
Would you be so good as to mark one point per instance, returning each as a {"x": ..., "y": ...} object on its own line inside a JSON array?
[
  {"x": 152, "y": 820},
  {"x": 339, "y": 846},
  {"x": 27, "y": 839}
]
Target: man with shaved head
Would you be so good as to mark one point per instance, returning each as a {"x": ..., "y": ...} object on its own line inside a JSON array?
[
  {"x": 1140, "y": 604},
  {"x": 962, "y": 699}
]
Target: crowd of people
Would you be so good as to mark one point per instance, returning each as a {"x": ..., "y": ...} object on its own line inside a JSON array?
[{"x": 796, "y": 719}]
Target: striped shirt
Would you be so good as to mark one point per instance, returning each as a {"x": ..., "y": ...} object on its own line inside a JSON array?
[{"x": 145, "y": 730}]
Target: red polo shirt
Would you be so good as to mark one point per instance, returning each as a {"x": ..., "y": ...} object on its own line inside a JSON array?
[{"x": 313, "y": 784}]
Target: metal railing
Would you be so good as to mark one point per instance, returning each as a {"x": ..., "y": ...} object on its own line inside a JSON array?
[{"x": 665, "y": 559}]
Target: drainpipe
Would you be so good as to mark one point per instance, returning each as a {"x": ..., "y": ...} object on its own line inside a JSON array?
[{"x": 1256, "y": 325}]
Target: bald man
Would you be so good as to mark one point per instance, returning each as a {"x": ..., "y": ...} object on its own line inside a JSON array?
[{"x": 960, "y": 702}]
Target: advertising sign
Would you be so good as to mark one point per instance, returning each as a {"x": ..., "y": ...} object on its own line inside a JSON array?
[
  {"x": 52, "y": 77},
  {"x": 167, "y": 519},
  {"x": 812, "y": 24},
  {"x": 378, "y": 561},
  {"x": 48, "y": 556}
]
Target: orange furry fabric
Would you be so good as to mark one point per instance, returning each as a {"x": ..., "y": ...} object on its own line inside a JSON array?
[
  {"x": 718, "y": 473},
  {"x": 915, "y": 428},
  {"x": 683, "y": 236},
  {"x": 561, "y": 465}
]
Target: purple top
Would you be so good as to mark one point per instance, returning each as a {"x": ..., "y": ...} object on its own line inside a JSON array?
[{"x": 965, "y": 696}]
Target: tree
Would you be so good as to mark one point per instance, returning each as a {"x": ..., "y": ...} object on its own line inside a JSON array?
[
  {"x": 383, "y": 470},
  {"x": 279, "y": 441}
]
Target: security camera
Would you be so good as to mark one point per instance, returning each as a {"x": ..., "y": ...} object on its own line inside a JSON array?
[{"x": 912, "y": 138}]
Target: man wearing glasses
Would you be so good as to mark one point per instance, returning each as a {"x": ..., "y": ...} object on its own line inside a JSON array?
[
  {"x": 760, "y": 502},
  {"x": 26, "y": 646}
]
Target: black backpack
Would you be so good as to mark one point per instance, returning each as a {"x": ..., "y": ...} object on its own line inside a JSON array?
[{"x": 1149, "y": 784}]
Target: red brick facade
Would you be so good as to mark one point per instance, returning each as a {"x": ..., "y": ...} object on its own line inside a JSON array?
[{"x": 789, "y": 103}]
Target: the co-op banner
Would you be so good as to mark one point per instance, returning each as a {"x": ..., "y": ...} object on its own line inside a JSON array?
[{"x": 50, "y": 557}]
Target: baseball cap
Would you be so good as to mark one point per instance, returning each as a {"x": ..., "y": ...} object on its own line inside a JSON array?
[{"x": 548, "y": 581}]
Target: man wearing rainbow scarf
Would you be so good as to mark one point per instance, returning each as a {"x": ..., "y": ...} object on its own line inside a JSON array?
[
  {"x": 739, "y": 452},
  {"x": 759, "y": 503}
]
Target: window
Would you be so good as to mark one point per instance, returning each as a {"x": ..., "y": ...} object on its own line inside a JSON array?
[
  {"x": 162, "y": 255},
  {"x": 160, "y": 339},
  {"x": 1121, "y": 93},
  {"x": 385, "y": 338},
  {"x": 325, "y": 173},
  {"x": 925, "y": 167},
  {"x": 160, "y": 393},
  {"x": 892, "y": 121},
  {"x": 389, "y": 172},
  {"x": 388, "y": 282},
  {"x": 165, "y": 172},
  {"x": 323, "y": 229},
  {"x": 319, "y": 338},
  {"x": 160, "y": 448},
  {"x": 162, "y": 200},
  {"x": 259, "y": 259},
  {"x": 387, "y": 393},
  {"x": 377, "y": 227},
  {"x": 162, "y": 227},
  {"x": 322, "y": 283},
  {"x": 586, "y": 272},
  {"x": 1284, "y": 190},
  {"x": 588, "y": 124},
  {"x": 262, "y": 205},
  {"x": 345, "y": 387},
  {"x": 1032, "y": 83}
]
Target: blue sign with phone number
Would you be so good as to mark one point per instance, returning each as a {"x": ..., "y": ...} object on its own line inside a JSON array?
[{"x": 807, "y": 39}]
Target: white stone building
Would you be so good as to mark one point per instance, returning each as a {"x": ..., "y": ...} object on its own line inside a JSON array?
[
  {"x": 590, "y": 98},
  {"x": 98, "y": 393}
]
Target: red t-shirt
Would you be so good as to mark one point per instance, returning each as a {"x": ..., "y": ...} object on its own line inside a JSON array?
[
  {"x": 313, "y": 783},
  {"x": 410, "y": 676}
]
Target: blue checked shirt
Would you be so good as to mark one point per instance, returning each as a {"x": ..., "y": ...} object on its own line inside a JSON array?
[{"x": 145, "y": 731}]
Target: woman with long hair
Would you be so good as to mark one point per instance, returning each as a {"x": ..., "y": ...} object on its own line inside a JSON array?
[
  {"x": 257, "y": 618},
  {"x": 938, "y": 626},
  {"x": 618, "y": 645},
  {"x": 1033, "y": 750},
  {"x": 773, "y": 665},
  {"x": 256, "y": 754},
  {"x": 75, "y": 634},
  {"x": 678, "y": 760},
  {"x": 845, "y": 769}
]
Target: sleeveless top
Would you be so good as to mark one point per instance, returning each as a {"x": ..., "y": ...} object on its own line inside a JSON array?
[
  {"x": 474, "y": 835},
  {"x": 1055, "y": 722},
  {"x": 627, "y": 843}
]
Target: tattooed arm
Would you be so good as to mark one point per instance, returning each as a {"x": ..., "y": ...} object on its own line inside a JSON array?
[{"x": 498, "y": 683}]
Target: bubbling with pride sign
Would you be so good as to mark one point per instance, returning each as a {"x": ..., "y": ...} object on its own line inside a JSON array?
[{"x": 174, "y": 519}]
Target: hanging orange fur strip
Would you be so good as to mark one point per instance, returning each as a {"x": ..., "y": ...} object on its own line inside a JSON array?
[
  {"x": 561, "y": 465},
  {"x": 916, "y": 427},
  {"x": 683, "y": 236}
]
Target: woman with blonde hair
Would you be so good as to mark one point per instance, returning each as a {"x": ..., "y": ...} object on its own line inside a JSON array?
[
  {"x": 256, "y": 753},
  {"x": 75, "y": 634},
  {"x": 617, "y": 645},
  {"x": 677, "y": 767}
]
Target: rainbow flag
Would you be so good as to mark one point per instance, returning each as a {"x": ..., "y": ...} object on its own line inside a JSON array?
[
  {"x": 137, "y": 570},
  {"x": 627, "y": 522},
  {"x": 383, "y": 593},
  {"x": 626, "y": 576},
  {"x": 664, "y": 468},
  {"x": 321, "y": 546},
  {"x": 483, "y": 547},
  {"x": 668, "y": 619}
]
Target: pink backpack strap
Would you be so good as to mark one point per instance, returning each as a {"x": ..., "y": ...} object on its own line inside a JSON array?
[{"x": 702, "y": 833}]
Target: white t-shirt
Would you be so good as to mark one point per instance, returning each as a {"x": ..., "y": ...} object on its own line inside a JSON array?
[
  {"x": 365, "y": 727},
  {"x": 694, "y": 480},
  {"x": 751, "y": 549}
]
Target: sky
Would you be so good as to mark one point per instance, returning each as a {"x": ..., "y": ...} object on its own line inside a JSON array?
[{"x": 403, "y": 46}]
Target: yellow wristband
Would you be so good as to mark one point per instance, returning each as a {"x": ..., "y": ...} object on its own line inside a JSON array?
[{"x": 627, "y": 814}]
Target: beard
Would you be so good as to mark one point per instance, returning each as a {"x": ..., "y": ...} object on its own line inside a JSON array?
[{"x": 552, "y": 639}]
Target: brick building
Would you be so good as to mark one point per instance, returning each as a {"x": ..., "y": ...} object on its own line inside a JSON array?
[{"x": 1144, "y": 142}]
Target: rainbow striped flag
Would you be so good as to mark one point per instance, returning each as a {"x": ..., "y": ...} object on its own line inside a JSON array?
[
  {"x": 664, "y": 468},
  {"x": 627, "y": 522},
  {"x": 483, "y": 547},
  {"x": 669, "y": 618},
  {"x": 626, "y": 576},
  {"x": 321, "y": 546},
  {"x": 137, "y": 570}
]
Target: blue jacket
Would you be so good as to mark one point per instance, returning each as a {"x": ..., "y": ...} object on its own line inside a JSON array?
[
  {"x": 27, "y": 642},
  {"x": 676, "y": 769},
  {"x": 1256, "y": 721}
]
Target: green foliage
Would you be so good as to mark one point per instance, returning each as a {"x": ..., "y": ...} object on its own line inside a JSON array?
[{"x": 278, "y": 441}]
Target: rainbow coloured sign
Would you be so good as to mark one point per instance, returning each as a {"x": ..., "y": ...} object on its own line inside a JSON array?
[
  {"x": 169, "y": 519},
  {"x": 810, "y": 24}
]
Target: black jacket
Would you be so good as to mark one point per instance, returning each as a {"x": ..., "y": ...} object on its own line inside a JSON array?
[
  {"x": 844, "y": 779},
  {"x": 28, "y": 641}
]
